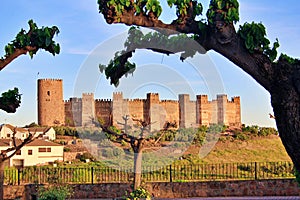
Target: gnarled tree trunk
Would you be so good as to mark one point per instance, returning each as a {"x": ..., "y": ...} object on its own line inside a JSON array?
[{"x": 285, "y": 96}]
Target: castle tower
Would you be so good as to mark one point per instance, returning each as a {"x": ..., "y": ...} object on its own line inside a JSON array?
[
  {"x": 222, "y": 105},
  {"x": 237, "y": 102},
  {"x": 187, "y": 111},
  {"x": 50, "y": 102},
  {"x": 88, "y": 109},
  {"x": 118, "y": 108},
  {"x": 153, "y": 111},
  {"x": 202, "y": 110}
]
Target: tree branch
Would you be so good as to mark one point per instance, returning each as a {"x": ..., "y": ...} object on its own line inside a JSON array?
[
  {"x": 18, "y": 52},
  {"x": 130, "y": 17},
  {"x": 35, "y": 39},
  {"x": 16, "y": 147}
]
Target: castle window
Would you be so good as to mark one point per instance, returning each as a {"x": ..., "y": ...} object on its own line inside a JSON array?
[{"x": 48, "y": 93}]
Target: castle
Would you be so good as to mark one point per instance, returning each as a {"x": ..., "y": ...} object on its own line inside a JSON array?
[{"x": 185, "y": 113}]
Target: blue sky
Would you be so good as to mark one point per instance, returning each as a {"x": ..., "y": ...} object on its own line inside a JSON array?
[{"x": 84, "y": 31}]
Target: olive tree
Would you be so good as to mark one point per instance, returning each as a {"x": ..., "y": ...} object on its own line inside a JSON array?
[{"x": 246, "y": 46}]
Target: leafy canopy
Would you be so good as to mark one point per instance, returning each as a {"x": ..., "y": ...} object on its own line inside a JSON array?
[
  {"x": 38, "y": 38},
  {"x": 220, "y": 14},
  {"x": 10, "y": 100}
]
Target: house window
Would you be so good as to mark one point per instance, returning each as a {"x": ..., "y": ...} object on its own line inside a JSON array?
[
  {"x": 8, "y": 135},
  {"x": 18, "y": 152},
  {"x": 48, "y": 93},
  {"x": 29, "y": 151},
  {"x": 43, "y": 149}
]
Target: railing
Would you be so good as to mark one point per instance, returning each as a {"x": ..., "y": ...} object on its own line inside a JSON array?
[{"x": 170, "y": 173}]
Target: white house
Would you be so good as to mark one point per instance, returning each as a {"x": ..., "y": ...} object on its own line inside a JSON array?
[
  {"x": 7, "y": 130},
  {"x": 37, "y": 152}
]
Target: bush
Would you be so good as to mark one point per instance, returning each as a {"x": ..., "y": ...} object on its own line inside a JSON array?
[
  {"x": 241, "y": 136},
  {"x": 66, "y": 149},
  {"x": 139, "y": 193},
  {"x": 85, "y": 156},
  {"x": 55, "y": 193}
]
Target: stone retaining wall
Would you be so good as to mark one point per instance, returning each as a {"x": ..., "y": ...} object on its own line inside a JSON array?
[{"x": 279, "y": 187}]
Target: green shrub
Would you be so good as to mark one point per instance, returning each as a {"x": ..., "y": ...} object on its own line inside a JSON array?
[
  {"x": 241, "y": 136},
  {"x": 85, "y": 156},
  {"x": 66, "y": 149},
  {"x": 59, "y": 192},
  {"x": 139, "y": 193}
]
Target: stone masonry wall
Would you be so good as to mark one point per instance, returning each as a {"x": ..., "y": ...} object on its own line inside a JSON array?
[
  {"x": 50, "y": 102},
  {"x": 52, "y": 110},
  {"x": 279, "y": 187}
]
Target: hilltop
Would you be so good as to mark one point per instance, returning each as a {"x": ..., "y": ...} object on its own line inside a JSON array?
[{"x": 256, "y": 149}]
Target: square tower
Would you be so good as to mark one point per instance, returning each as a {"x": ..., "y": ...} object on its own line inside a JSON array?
[{"x": 51, "y": 110}]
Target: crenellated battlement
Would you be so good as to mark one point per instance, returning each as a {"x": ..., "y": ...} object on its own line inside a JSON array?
[
  {"x": 169, "y": 101},
  {"x": 103, "y": 100},
  {"x": 118, "y": 96},
  {"x": 49, "y": 80},
  {"x": 187, "y": 112},
  {"x": 136, "y": 100}
]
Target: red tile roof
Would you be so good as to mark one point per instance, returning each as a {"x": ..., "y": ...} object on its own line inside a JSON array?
[{"x": 36, "y": 142}]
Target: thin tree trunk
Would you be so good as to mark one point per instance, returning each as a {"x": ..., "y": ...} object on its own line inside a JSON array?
[
  {"x": 137, "y": 169},
  {"x": 2, "y": 180}
]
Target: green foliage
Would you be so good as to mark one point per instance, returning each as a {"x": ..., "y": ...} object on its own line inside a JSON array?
[
  {"x": 228, "y": 10},
  {"x": 66, "y": 149},
  {"x": 259, "y": 131},
  {"x": 266, "y": 131},
  {"x": 241, "y": 136},
  {"x": 254, "y": 35},
  {"x": 64, "y": 130},
  {"x": 83, "y": 157},
  {"x": 182, "y": 7},
  {"x": 140, "y": 6},
  {"x": 59, "y": 192},
  {"x": 112, "y": 68},
  {"x": 10, "y": 100},
  {"x": 120, "y": 66},
  {"x": 216, "y": 128},
  {"x": 139, "y": 193},
  {"x": 38, "y": 38},
  {"x": 289, "y": 59},
  {"x": 33, "y": 124}
]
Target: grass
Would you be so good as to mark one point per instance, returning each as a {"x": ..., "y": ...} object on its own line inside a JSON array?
[{"x": 257, "y": 149}]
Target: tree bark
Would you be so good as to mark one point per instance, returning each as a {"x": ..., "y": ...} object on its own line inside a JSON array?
[
  {"x": 285, "y": 98},
  {"x": 2, "y": 180},
  {"x": 137, "y": 169}
]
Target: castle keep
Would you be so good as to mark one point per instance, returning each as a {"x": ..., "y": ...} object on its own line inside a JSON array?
[{"x": 53, "y": 110}]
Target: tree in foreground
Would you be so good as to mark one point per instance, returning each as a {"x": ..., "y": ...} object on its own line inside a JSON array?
[
  {"x": 247, "y": 47},
  {"x": 139, "y": 142},
  {"x": 25, "y": 42}
]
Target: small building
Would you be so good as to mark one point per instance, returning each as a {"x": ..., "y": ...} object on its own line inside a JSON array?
[
  {"x": 7, "y": 131},
  {"x": 37, "y": 152}
]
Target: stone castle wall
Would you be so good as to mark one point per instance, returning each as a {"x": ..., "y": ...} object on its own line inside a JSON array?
[{"x": 184, "y": 112}]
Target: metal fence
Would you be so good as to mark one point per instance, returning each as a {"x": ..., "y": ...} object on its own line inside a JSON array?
[{"x": 170, "y": 173}]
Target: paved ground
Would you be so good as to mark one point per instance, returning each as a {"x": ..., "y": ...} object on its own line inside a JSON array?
[
  {"x": 225, "y": 198},
  {"x": 242, "y": 198}
]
